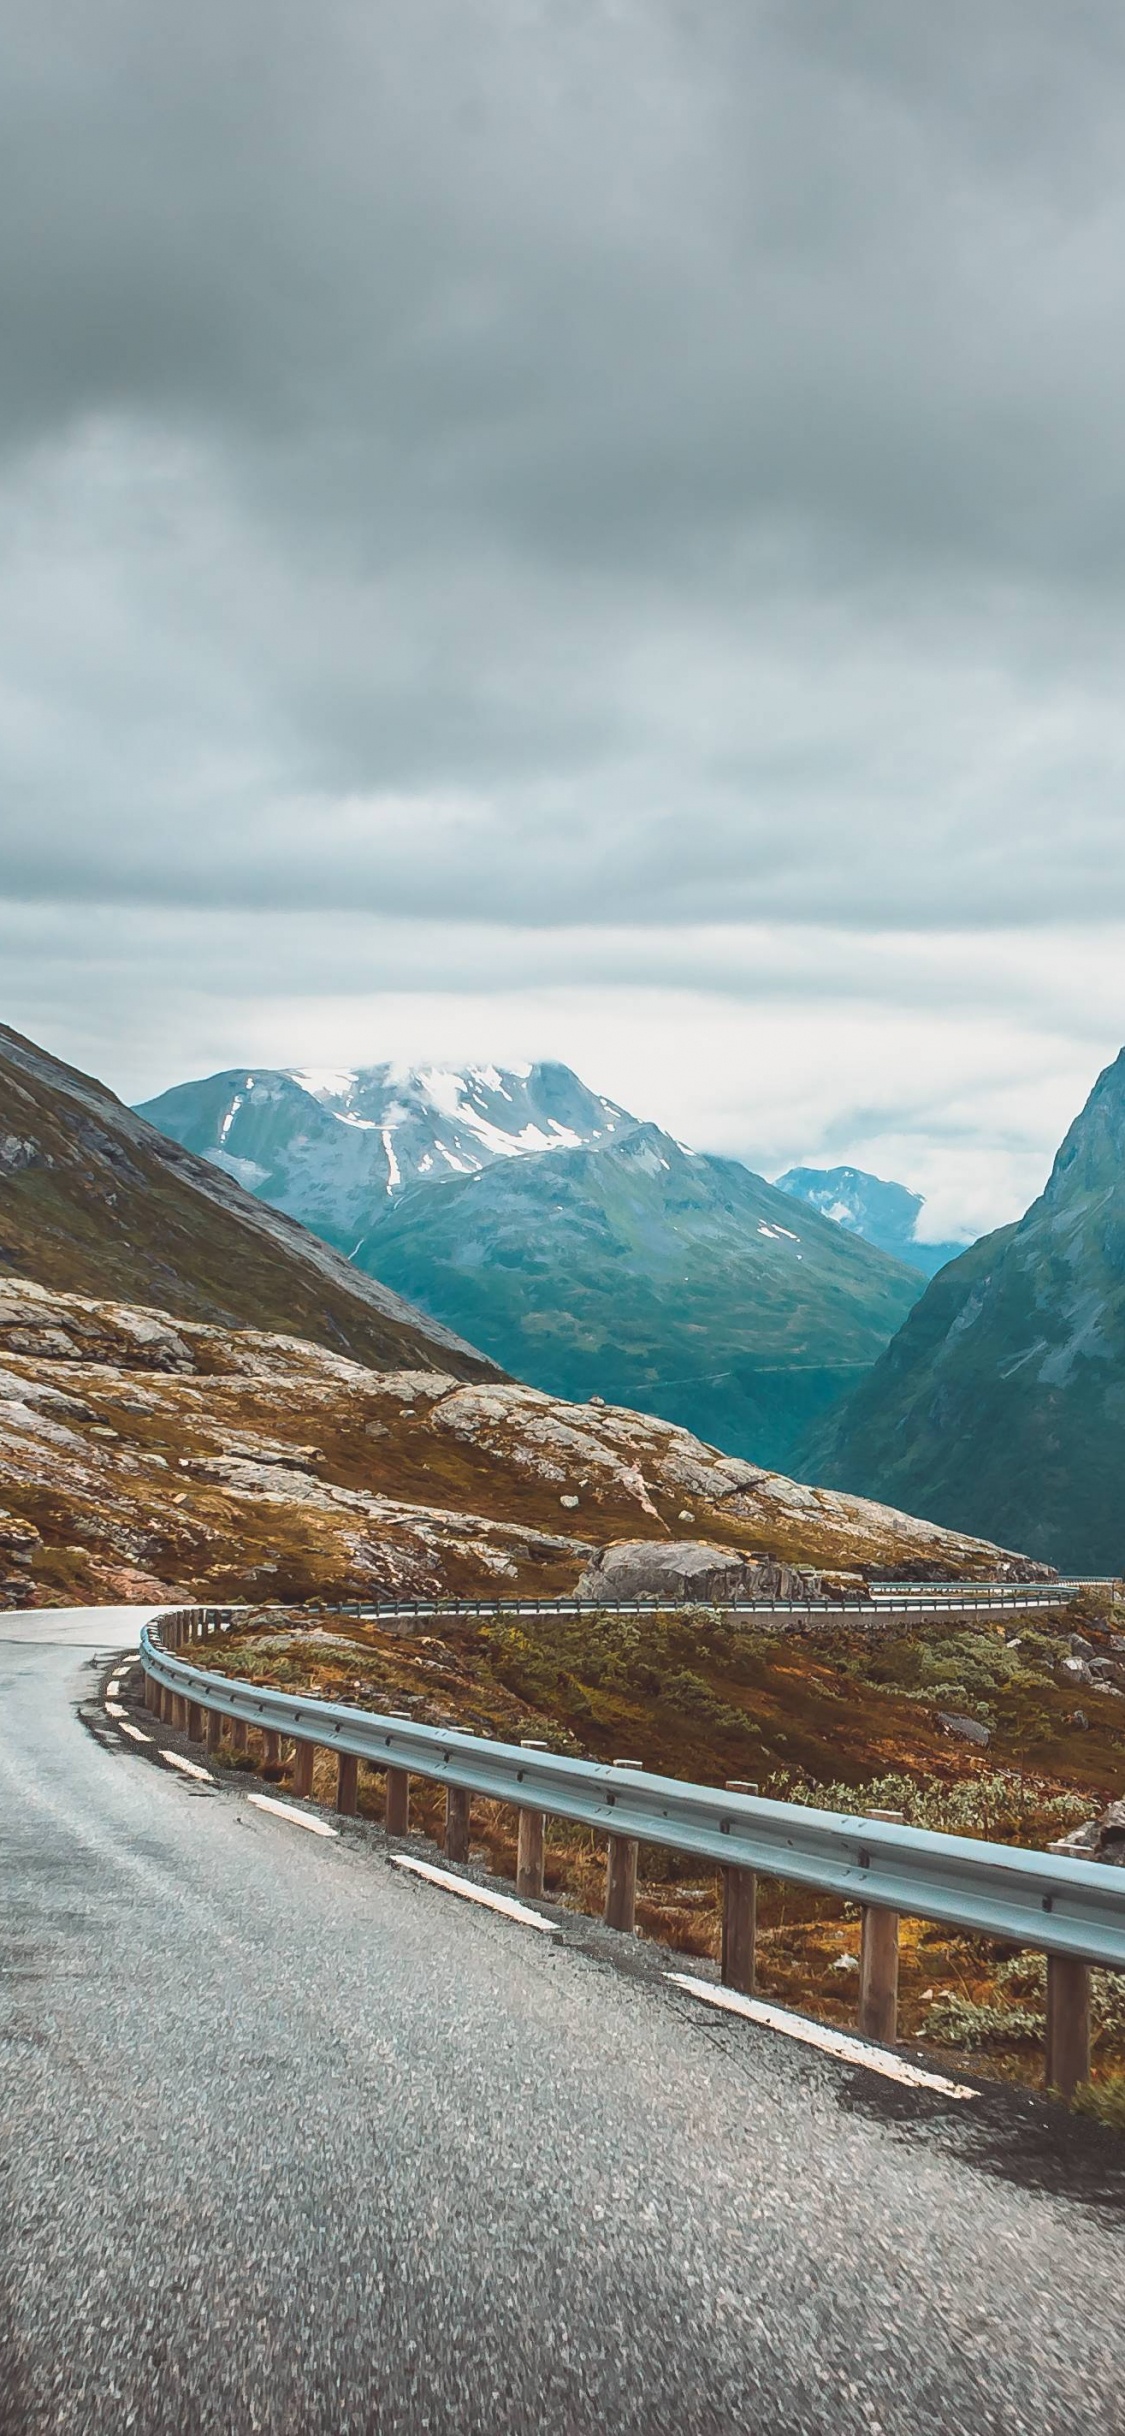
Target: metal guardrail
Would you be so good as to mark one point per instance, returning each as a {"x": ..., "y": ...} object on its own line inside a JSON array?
[
  {"x": 1066, "y": 1908},
  {"x": 882, "y": 1602}
]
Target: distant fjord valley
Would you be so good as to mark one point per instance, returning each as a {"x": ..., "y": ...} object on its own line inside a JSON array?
[{"x": 579, "y": 1247}]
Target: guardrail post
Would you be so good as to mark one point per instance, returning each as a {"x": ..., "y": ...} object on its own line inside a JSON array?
[
  {"x": 214, "y": 1729},
  {"x": 621, "y": 1875},
  {"x": 740, "y": 1916},
  {"x": 1068, "y": 2023},
  {"x": 878, "y": 1963},
  {"x": 194, "y": 1721},
  {"x": 456, "y": 1823},
  {"x": 304, "y": 1754},
  {"x": 347, "y": 1784},
  {"x": 396, "y": 1809},
  {"x": 529, "y": 1842},
  {"x": 240, "y": 1734},
  {"x": 272, "y": 1742},
  {"x": 178, "y": 1719}
]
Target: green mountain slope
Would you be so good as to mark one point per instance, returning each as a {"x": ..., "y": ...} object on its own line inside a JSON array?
[
  {"x": 1000, "y": 1405},
  {"x": 680, "y": 1284}
]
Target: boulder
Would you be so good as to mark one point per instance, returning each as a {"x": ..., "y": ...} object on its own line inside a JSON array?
[
  {"x": 968, "y": 1729},
  {"x": 689, "y": 1570}
]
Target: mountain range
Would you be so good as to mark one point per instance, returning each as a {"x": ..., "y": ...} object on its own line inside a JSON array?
[
  {"x": 95, "y": 1201},
  {"x": 582, "y": 1249},
  {"x": 1001, "y": 1401},
  {"x": 200, "y": 1400},
  {"x": 884, "y": 1214}
]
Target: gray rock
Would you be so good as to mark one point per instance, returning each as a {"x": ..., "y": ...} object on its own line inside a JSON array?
[
  {"x": 1075, "y": 1670},
  {"x": 1079, "y": 1647},
  {"x": 689, "y": 1569},
  {"x": 969, "y": 1729}
]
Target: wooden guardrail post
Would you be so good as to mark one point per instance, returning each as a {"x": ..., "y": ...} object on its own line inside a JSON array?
[
  {"x": 1068, "y": 2023},
  {"x": 304, "y": 1754},
  {"x": 194, "y": 1721},
  {"x": 396, "y": 1808},
  {"x": 240, "y": 1734},
  {"x": 529, "y": 1841},
  {"x": 621, "y": 1875},
  {"x": 456, "y": 1845},
  {"x": 214, "y": 1729},
  {"x": 347, "y": 1784},
  {"x": 179, "y": 1712},
  {"x": 740, "y": 1916},
  {"x": 878, "y": 1963},
  {"x": 272, "y": 1742}
]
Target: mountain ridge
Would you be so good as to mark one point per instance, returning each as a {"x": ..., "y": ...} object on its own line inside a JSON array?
[
  {"x": 665, "y": 1279},
  {"x": 1002, "y": 1392}
]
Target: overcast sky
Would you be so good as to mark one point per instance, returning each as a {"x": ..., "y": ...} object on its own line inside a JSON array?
[{"x": 589, "y": 528}]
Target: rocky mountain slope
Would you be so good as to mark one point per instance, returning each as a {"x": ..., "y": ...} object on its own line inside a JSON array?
[
  {"x": 1000, "y": 1405},
  {"x": 329, "y": 1147},
  {"x": 884, "y": 1214},
  {"x": 658, "y": 1277},
  {"x": 144, "y": 1457},
  {"x": 94, "y": 1199}
]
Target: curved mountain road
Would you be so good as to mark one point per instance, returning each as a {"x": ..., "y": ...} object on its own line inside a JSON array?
[{"x": 294, "y": 2143}]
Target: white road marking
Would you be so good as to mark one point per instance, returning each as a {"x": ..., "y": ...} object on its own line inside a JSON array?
[
  {"x": 472, "y": 1894},
  {"x": 285, "y": 1810},
  {"x": 112, "y": 1689},
  {"x": 113, "y": 1708},
  {"x": 839, "y": 2043},
  {"x": 134, "y": 1731},
  {"x": 188, "y": 1767}
]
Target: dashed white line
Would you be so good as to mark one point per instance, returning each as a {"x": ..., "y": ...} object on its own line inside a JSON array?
[
  {"x": 112, "y": 1689},
  {"x": 188, "y": 1767},
  {"x": 839, "y": 2043},
  {"x": 472, "y": 1894},
  {"x": 113, "y": 1708},
  {"x": 285, "y": 1810},
  {"x": 134, "y": 1732}
]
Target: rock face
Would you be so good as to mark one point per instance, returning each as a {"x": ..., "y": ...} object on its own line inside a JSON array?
[
  {"x": 144, "y": 1455},
  {"x": 686, "y": 1569},
  {"x": 999, "y": 1405}
]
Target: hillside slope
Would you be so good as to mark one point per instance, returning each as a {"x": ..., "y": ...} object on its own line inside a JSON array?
[
  {"x": 143, "y": 1457},
  {"x": 94, "y": 1200},
  {"x": 1000, "y": 1405},
  {"x": 681, "y": 1284}
]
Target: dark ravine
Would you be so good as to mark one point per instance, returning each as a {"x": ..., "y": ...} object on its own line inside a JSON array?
[{"x": 1000, "y": 1404}]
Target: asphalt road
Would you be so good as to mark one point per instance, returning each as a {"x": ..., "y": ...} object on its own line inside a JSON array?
[{"x": 292, "y": 2142}]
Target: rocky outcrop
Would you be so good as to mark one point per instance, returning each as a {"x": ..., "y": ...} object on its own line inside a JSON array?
[
  {"x": 689, "y": 1569},
  {"x": 236, "y": 1464}
]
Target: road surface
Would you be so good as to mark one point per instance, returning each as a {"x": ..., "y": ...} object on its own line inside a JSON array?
[{"x": 294, "y": 2143}]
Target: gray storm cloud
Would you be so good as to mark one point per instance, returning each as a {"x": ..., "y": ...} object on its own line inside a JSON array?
[{"x": 618, "y": 468}]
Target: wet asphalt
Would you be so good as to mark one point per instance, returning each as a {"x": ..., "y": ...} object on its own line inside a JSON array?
[{"x": 293, "y": 2142}]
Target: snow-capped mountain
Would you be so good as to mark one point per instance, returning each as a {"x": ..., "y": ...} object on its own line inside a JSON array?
[
  {"x": 884, "y": 1214},
  {"x": 330, "y": 1146}
]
